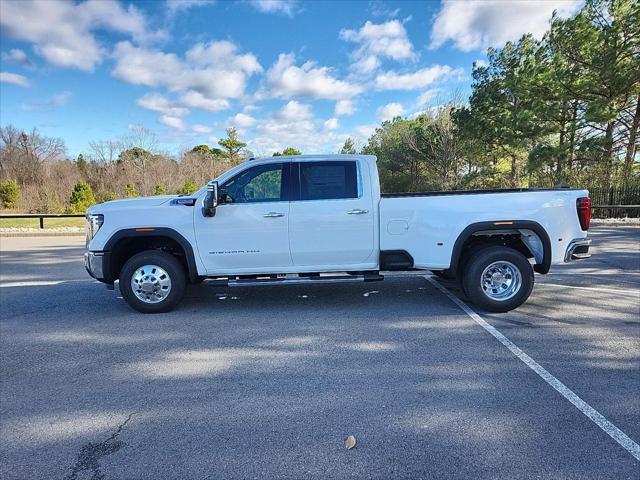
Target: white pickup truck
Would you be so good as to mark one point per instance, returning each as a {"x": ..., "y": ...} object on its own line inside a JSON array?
[{"x": 322, "y": 218}]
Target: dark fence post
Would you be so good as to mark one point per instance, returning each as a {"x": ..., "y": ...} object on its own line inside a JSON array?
[{"x": 42, "y": 223}]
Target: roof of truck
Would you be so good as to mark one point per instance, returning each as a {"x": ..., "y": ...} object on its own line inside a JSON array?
[{"x": 330, "y": 157}]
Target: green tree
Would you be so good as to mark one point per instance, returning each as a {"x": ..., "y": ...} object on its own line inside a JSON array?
[
  {"x": 159, "y": 189},
  {"x": 287, "y": 152},
  {"x": 602, "y": 42},
  {"x": 207, "y": 150},
  {"x": 348, "y": 147},
  {"x": 233, "y": 145},
  {"x": 81, "y": 198},
  {"x": 502, "y": 107},
  {"x": 9, "y": 194},
  {"x": 135, "y": 155},
  {"x": 188, "y": 188},
  {"x": 81, "y": 164}
]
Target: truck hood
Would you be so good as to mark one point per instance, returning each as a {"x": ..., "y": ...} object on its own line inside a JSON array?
[{"x": 131, "y": 203}]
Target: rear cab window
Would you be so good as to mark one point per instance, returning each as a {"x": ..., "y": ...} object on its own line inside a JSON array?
[{"x": 328, "y": 180}]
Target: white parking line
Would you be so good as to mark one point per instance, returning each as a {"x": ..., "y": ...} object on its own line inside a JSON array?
[
  {"x": 595, "y": 289},
  {"x": 596, "y": 417},
  {"x": 591, "y": 274},
  {"x": 38, "y": 283}
]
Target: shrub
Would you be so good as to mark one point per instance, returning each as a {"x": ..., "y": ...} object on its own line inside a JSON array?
[
  {"x": 56, "y": 204},
  {"x": 9, "y": 194},
  {"x": 159, "y": 189},
  {"x": 130, "y": 190},
  {"x": 81, "y": 198},
  {"x": 106, "y": 196},
  {"x": 188, "y": 188}
]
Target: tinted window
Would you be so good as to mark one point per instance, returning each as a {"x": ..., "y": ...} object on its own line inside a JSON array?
[
  {"x": 328, "y": 180},
  {"x": 262, "y": 183}
]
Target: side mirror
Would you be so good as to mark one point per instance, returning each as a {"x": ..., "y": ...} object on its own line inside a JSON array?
[{"x": 211, "y": 200}]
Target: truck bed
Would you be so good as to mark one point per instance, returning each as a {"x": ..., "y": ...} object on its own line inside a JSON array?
[{"x": 440, "y": 193}]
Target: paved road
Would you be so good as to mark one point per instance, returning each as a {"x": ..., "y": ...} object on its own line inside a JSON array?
[{"x": 267, "y": 382}]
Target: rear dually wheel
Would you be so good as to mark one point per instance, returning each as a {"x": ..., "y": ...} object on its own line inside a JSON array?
[{"x": 498, "y": 279}]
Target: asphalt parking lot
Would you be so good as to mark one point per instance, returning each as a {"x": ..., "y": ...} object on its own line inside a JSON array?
[{"x": 267, "y": 382}]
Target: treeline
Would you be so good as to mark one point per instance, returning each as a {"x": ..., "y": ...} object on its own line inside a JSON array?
[
  {"x": 35, "y": 176},
  {"x": 561, "y": 111}
]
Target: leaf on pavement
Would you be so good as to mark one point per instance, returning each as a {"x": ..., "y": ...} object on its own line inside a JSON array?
[{"x": 350, "y": 442}]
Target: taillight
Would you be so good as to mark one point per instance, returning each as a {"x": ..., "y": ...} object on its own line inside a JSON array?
[{"x": 583, "y": 206}]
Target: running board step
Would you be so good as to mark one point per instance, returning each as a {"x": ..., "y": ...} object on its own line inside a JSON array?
[{"x": 251, "y": 282}]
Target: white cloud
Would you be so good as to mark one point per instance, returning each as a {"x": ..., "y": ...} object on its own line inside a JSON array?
[
  {"x": 157, "y": 103},
  {"x": 415, "y": 80},
  {"x": 193, "y": 99},
  {"x": 223, "y": 53},
  {"x": 173, "y": 122},
  {"x": 344, "y": 107},
  {"x": 209, "y": 75},
  {"x": 389, "y": 111},
  {"x": 14, "y": 78},
  {"x": 56, "y": 100},
  {"x": 379, "y": 8},
  {"x": 201, "y": 129},
  {"x": 425, "y": 97},
  {"x": 480, "y": 62},
  {"x": 242, "y": 120},
  {"x": 331, "y": 124},
  {"x": 385, "y": 40},
  {"x": 16, "y": 55},
  {"x": 295, "y": 126},
  {"x": 284, "y": 7},
  {"x": 62, "y": 32},
  {"x": 363, "y": 132},
  {"x": 285, "y": 80},
  {"x": 478, "y": 24},
  {"x": 294, "y": 111},
  {"x": 174, "y": 6}
]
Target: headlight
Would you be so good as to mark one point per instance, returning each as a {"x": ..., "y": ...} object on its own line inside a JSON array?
[{"x": 93, "y": 224}]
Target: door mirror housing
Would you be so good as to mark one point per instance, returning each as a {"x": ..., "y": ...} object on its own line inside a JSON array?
[{"x": 211, "y": 200}]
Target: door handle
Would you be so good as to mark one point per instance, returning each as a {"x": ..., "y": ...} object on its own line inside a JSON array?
[
  {"x": 273, "y": 215},
  {"x": 357, "y": 211}
]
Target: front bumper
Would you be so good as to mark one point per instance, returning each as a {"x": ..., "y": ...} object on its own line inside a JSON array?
[
  {"x": 578, "y": 249},
  {"x": 94, "y": 263}
]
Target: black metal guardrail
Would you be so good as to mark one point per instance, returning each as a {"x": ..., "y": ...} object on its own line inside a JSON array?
[
  {"x": 42, "y": 216},
  {"x": 615, "y": 201}
]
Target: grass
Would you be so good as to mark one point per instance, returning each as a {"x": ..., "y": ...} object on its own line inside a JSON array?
[{"x": 35, "y": 222}]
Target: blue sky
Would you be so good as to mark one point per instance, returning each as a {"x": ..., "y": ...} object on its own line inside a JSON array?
[{"x": 284, "y": 73}]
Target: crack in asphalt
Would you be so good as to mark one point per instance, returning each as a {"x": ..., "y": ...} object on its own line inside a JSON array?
[{"x": 91, "y": 453}]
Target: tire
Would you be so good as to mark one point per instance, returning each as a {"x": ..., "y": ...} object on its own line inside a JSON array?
[
  {"x": 164, "y": 274},
  {"x": 506, "y": 288}
]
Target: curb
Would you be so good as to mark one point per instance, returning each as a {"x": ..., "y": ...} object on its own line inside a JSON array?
[{"x": 43, "y": 234}]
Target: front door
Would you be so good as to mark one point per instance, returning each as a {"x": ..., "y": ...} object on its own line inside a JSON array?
[{"x": 249, "y": 232}]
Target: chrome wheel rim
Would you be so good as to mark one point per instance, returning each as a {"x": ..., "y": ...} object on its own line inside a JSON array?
[
  {"x": 501, "y": 280},
  {"x": 151, "y": 283}
]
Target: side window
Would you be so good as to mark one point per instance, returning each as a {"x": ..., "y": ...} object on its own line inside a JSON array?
[
  {"x": 328, "y": 180},
  {"x": 262, "y": 183}
]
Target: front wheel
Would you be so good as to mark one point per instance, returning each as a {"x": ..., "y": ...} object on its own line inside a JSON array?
[
  {"x": 153, "y": 281},
  {"x": 498, "y": 279}
]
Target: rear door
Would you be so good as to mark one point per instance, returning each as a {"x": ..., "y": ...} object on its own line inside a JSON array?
[{"x": 331, "y": 221}]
